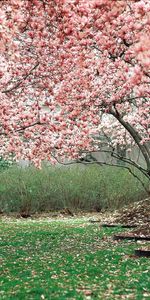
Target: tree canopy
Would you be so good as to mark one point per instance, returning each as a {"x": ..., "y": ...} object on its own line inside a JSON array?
[{"x": 71, "y": 70}]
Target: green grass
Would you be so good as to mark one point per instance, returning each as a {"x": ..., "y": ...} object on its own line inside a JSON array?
[
  {"x": 78, "y": 187},
  {"x": 68, "y": 259}
]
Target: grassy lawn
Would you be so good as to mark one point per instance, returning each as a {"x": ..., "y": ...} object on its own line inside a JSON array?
[{"x": 68, "y": 259}]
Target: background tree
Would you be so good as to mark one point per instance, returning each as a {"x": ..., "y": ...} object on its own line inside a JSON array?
[{"x": 73, "y": 70}]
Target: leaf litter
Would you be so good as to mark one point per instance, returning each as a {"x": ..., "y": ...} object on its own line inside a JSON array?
[{"x": 69, "y": 258}]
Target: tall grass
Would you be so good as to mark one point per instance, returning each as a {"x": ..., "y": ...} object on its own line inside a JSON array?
[{"x": 78, "y": 187}]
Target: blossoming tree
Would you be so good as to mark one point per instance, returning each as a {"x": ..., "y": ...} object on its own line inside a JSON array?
[{"x": 71, "y": 70}]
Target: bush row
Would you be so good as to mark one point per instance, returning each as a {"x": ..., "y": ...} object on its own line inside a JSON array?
[{"x": 77, "y": 187}]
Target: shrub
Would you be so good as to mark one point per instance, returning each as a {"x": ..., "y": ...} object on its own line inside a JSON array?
[{"x": 77, "y": 187}]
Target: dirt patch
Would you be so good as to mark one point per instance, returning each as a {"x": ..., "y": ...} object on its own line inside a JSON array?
[{"x": 137, "y": 213}]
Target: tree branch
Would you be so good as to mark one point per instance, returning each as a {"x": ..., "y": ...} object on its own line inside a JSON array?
[
  {"x": 23, "y": 128},
  {"x": 20, "y": 81},
  {"x": 101, "y": 163},
  {"x": 135, "y": 135}
]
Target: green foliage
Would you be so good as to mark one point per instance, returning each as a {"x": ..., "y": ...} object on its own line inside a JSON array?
[
  {"x": 77, "y": 187},
  {"x": 68, "y": 260},
  {"x": 4, "y": 164}
]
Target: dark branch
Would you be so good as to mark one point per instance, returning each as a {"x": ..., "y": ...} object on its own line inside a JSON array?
[
  {"x": 20, "y": 81},
  {"x": 101, "y": 163}
]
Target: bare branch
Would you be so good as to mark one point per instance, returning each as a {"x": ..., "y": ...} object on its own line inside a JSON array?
[{"x": 102, "y": 163}]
